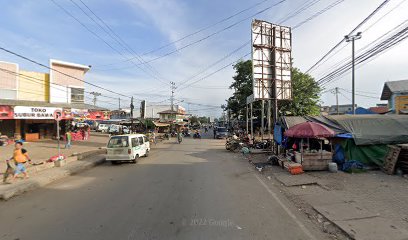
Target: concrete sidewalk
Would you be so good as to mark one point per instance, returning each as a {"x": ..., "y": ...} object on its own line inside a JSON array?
[
  {"x": 366, "y": 206},
  {"x": 47, "y": 176},
  {"x": 42, "y": 150},
  {"x": 82, "y": 155}
]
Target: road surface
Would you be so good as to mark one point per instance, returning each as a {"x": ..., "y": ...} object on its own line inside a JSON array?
[{"x": 193, "y": 190}]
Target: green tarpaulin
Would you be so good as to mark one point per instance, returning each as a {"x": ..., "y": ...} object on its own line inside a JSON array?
[{"x": 367, "y": 154}]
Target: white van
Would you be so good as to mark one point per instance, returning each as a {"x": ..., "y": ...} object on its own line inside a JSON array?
[
  {"x": 103, "y": 127},
  {"x": 127, "y": 147}
]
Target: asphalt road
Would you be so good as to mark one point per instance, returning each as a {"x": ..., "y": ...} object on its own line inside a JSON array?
[{"x": 193, "y": 190}]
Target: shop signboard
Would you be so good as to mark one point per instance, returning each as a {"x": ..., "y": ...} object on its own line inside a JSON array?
[
  {"x": 23, "y": 112},
  {"x": 6, "y": 112},
  {"x": 98, "y": 115},
  {"x": 80, "y": 113},
  {"x": 67, "y": 114}
]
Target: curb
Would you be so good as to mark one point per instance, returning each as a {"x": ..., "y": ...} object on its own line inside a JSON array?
[{"x": 45, "y": 179}]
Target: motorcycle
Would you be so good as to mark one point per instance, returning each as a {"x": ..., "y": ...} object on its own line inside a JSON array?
[
  {"x": 166, "y": 136},
  {"x": 197, "y": 135},
  {"x": 234, "y": 144},
  {"x": 186, "y": 134}
]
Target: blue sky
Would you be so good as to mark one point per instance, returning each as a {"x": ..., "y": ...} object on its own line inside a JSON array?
[{"x": 41, "y": 30}]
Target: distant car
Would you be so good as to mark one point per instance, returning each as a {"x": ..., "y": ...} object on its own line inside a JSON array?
[
  {"x": 81, "y": 125},
  {"x": 103, "y": 127},
  {"x": 221, "y": 132},
  {"x": 118, "y": 129}
]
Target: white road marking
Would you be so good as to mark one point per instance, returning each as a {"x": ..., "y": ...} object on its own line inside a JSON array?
[{"x": 304, "y": 229}]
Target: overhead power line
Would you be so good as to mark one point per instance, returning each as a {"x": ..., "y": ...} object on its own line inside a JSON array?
[
  {"x": 214, "y": 72},
  {"x": 67, "y": 75},
  {"x": 208, "y": 36},
  {"x": 213, "y": 64},
  {"x": 102, "y": 39},
  {"x": 337, "y": 2},
  {"x": 372, "y": 52},
  {"x": 297, "y": 12},
  {"x": 351, "y": 32},
  {"x": 199, "y": 30},
  {"x": 302, "y": 8},
  {"x": 121, "y": 41}
]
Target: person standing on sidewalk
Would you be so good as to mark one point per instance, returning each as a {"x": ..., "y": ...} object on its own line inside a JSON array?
[
  {"x": 154, "y": 137},
  {"x": 20, "y": 157},
  {"x": 68, "y": 137}
]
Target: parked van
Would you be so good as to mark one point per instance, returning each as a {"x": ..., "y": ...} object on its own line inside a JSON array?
[
  {"x": 127, "y": 147},
  {"x": 118, "y": 129},
  {"x": 103, "y": 127}
]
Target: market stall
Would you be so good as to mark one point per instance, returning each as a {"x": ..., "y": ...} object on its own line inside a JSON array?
[{"x": 309, "y": 152}]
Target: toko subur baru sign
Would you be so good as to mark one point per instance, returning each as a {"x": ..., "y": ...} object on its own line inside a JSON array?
[{"x": 23, "y": 112}]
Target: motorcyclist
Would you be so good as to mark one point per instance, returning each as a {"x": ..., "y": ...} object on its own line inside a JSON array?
[
  {"x": 179, "y": 137},
  {"x": 197, "y": 134}
]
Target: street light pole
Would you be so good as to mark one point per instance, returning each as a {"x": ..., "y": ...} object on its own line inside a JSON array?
[{"x": 352, "y": 38}]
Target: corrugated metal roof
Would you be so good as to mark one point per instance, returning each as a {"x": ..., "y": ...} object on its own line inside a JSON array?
[
  {"x": 290, "y": 121},
  {"x": 393, "y": 87}
]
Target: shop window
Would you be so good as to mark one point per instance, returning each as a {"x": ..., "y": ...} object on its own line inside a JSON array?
[{"x": 77, "y": 95}]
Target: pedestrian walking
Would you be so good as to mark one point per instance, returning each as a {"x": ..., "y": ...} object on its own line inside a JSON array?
[
  {"x": 20, "y": 158},
  {"x": 68, "y": 137},
  {"x": 9, "y": 171},
  {"x": 215, "y": 132},
  {"x": 154, "y": 137},
  {"x": 86, "y": 133},
  {"x": 179, "y": 137}
]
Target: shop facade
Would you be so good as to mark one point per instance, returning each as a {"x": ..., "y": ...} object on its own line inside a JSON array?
[{"x": 33, "y": 123}]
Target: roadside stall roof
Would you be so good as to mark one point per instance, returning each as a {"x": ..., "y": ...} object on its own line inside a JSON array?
[
  {"x": 309, "y": 130},
  {"x": 159, "y": 124},
  {"x": 375, "y": 129},
  {"x": 369, "y": 129}
]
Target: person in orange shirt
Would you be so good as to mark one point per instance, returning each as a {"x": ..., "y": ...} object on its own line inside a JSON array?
[{"x": 20, "y": 157}]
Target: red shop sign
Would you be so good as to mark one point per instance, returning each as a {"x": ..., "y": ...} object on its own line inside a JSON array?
[{"x": 6, "y": 112}]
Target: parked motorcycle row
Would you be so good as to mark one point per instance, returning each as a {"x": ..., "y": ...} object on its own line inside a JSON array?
[{"x": 235, "y": 144}]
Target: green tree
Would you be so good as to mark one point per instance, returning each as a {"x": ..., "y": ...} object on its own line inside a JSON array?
[
  {"x": 305, "y": 96},
  {"x": 242, "y": 87},
  {"x": 203, "y": 119},
  {"x": 305, "y": 93},
  {"x": 193, "y": 120}
]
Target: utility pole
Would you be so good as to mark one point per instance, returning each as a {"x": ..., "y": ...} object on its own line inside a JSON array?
[
  {"x": 131, "y": 115},
  {"x": 119, "y": 103},
  {"x": 269, "y": 112},
  {"x": 262, "y": 119},
  {"x": 337, "y": 100},
  {"x": 95, "y": 95},
  {"x": 352, "y": 38},
  {"x": 252, "y": 119},
  {"x": 172, "y": 88}
]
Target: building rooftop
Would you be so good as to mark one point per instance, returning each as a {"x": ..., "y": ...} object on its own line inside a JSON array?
[
  {"x": 393, "y": 87},
  {"x": 75, "y": 65},
  {"x": 11, "y": 102},
  {"x": 170, "y": 112}
]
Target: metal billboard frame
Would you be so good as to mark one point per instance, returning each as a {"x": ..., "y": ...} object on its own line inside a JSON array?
[{"x": 271, "y": 61}]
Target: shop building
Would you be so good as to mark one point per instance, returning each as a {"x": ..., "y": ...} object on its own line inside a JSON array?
[
  {"x": 28, "y": 99},
  {"x": 31, "y": 120},
  {"x": 396, "y": 93}
]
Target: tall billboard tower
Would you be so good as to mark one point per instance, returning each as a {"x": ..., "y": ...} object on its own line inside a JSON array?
[{"x": 271, "y": 61}]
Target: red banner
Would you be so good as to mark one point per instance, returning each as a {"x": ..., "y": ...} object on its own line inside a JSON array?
[
  {"x": 6, "y": 112},
  {"x": 98, "y": 115}
]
